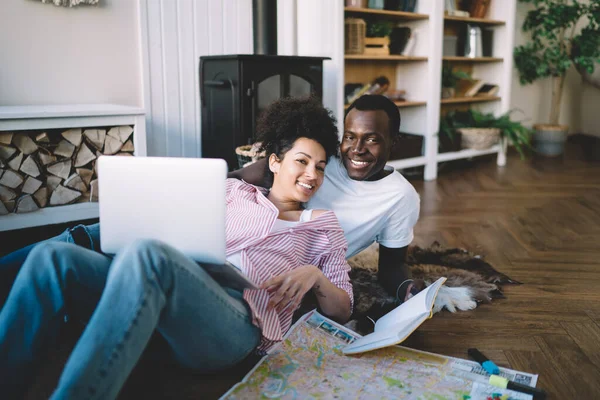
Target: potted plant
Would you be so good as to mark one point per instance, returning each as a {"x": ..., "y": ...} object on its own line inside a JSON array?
[
  {"x": 450, "y": 78},
  {"x": 378, "y": 37},
  {"x": 483, "y": 130},
  {"x": 556, "y": 45}
]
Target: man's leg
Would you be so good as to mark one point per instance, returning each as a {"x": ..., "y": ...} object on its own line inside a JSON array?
[
  {"x": 152, "y": 286},
  {"x": 85, "y": 236},
  {"x": 56, "y": 280}
]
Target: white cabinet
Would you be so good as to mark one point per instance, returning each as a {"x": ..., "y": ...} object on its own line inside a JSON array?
[{"x": 20, "y": 118}]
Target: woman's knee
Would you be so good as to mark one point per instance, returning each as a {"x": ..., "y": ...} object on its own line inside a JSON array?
[
  {"x": 48, "y": 257},
  {"x": 149, "y": 257}
]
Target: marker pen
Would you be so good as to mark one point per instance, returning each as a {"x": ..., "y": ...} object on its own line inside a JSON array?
[
  {"x": 488, "y": 365},
  {"x": 504, "y": 383}
]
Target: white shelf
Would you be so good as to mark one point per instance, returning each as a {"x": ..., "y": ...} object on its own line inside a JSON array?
[
  {"x": 408, "y": 162},
  {"x": 74, "y": 110},
  {"x": 467, "y": 153},
  {"x": 49, "y": 216}
]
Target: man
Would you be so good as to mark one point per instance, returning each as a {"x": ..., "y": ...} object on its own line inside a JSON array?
[{"x": 373, "y": 202}]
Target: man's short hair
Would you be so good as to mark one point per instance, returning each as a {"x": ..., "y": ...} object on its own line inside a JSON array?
[{"x": 375, "y": 102}]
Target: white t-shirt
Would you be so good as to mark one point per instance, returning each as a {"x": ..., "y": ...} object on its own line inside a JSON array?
[{"x": 383, "y": 211}]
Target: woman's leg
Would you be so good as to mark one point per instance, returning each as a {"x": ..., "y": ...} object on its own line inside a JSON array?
[
  {"x": 152, "y": 286},
  {"x": 57, "y": 279},
  {"x": 82, "y": 235}
]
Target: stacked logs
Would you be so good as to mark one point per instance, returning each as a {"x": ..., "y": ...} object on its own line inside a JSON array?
[{"x": 40, "y": 169}]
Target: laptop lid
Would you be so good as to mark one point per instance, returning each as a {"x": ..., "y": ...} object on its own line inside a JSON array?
[{"x": 180, "y": 201}]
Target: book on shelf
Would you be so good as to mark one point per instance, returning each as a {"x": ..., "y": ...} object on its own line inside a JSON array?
[
  {"x": 487, "y": 90},
  {"x": 472, "y": 90},
  {"x": 394, "y": 327}
]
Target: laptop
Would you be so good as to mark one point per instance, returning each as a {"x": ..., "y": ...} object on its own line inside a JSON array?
[{"x": 179, "y": 201}]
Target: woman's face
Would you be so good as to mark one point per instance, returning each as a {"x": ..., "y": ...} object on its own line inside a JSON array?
[{"x": 298, "y": 176}]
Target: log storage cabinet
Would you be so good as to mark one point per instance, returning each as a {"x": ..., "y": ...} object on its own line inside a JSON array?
[{"x": 48, "y": 159}]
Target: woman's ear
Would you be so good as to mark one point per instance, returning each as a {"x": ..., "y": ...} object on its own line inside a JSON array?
[{"x": 274, "y": 163}]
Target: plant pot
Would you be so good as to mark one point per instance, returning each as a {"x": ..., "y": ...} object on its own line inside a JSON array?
[
  {"x": 479, "y": 138},
  {"x": 448, "y": 92},
  {"x": 549, "y": 140},
  {"x": 377, "y": 46}
]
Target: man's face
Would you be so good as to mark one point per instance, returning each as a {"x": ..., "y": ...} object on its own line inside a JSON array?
[{"x": 366, "y": 144}]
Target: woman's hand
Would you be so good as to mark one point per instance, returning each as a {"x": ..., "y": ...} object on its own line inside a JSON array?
[{"x": 289, "y": 288}]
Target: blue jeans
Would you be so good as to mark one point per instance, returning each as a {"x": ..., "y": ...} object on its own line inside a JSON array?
[
  {"x": 86, "y": 236},
  {"x": 147, "y": 287}
]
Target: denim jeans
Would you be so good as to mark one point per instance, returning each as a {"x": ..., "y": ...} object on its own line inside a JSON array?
[
  {"x": 147, "y": 287},
  {"x": 87, "y": 236}
]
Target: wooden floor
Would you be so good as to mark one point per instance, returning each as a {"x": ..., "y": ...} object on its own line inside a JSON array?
[{"x": 538, "y": 221}]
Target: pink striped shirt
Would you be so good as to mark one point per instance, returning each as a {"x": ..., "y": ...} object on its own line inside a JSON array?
[{"x": 264, "y": 254}]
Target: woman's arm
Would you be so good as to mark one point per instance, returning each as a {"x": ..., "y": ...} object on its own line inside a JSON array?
[
  {"x": 253, "y": 173},
  {"x": 288, "y": 289}
]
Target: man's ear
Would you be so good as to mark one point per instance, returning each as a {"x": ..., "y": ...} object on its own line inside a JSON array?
[{"x": 274, "y": 163}]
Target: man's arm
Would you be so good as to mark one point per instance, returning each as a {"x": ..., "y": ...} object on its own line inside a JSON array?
[
  {"x": 253, "y": 173},
  {"x": 393, "y": 269}
]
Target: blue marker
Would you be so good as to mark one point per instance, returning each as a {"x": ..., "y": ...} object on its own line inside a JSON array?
[{"x": 488, "y": 365}]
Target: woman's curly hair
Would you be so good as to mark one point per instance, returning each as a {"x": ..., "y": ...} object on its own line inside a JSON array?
[{"x": 290, "y": 118}]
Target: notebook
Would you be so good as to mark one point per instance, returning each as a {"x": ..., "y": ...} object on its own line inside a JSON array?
[{"x": 179, "y": 201}]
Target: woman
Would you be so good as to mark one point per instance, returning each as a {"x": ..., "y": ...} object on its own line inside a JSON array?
[{"x": 150, "y": 286}]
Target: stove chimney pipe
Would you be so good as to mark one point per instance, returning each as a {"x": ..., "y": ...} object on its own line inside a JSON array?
[{"x": 264, "y": 19}]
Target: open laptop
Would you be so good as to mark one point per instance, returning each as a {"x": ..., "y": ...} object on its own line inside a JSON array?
[{"x": 179, "y": 201}]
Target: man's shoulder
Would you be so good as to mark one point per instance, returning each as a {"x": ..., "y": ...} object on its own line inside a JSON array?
[{"x": 397, "y": 184}]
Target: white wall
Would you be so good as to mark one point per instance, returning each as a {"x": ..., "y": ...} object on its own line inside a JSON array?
[
  {"x": 579, "y": 103},
  {"x": 58, "y": 55},
  {"x": 175, "y": 33}
]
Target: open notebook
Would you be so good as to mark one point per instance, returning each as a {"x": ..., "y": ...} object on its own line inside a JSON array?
[{"x": 399, "y": 323}]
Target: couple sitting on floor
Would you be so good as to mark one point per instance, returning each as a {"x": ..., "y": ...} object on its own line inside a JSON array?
[{"x": 150, "y": 286}]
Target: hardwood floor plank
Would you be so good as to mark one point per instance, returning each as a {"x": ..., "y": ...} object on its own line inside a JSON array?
[
  {"x": 579, "y": 375},
  {"x": 549, "y": 379},
  {"x": 587, "y": 337}
]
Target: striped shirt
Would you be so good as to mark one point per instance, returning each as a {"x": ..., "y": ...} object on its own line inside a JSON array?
[{"x": 264, "y": 254}]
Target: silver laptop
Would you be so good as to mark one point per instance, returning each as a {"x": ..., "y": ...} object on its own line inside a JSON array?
[{"x": 179, "y": 201}]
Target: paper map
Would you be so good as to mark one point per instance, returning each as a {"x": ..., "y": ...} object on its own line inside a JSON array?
[{"x": 309, "y": 364}]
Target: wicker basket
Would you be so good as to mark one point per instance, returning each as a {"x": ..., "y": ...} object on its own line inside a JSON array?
[
  {"x": 479, "y": 138},
  {"x": 248, "y": 154},
  {"x": 355, "y": 30}
]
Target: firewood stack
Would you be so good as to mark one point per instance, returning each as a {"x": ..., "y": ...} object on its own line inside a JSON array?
[{"x": 52, "y": 168}]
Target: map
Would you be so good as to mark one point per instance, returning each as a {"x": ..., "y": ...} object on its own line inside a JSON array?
[{"x": 309, "y": 363}]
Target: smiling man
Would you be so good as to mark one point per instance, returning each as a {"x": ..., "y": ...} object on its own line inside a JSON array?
[{"x": 373, "y": 203}]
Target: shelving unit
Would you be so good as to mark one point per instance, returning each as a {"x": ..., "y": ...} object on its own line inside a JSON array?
[
  {"x": 420, "y": 73},
  {"x": 16, "y": 118}
]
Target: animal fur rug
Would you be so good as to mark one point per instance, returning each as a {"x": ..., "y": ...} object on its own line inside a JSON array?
[{"x": 470, "y": 280}]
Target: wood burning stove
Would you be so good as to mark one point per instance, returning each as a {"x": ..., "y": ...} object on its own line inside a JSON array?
[{"x": 234, "y": 89}]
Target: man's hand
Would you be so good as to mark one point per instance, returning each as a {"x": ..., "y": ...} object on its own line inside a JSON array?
[{"x": 289, "y": 288}]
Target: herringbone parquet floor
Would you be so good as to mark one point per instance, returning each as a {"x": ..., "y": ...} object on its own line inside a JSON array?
[{"x": 538, "y": 221}]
